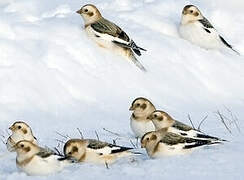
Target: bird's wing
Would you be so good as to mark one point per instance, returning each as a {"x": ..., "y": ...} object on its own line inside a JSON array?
[
  {"x": 104, "y": 26},
  {"x": 182, "y": 126},
  {"x": 103, "y": 148},
  {"x": 175, "y": 139},
  {"x": 110, "y": 31},
  {"x": 206, "y": 23},
  {"x": 45, "y": 152}
]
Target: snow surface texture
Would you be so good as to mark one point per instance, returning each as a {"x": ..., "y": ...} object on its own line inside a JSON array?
[{"x": 54, "y": 78}]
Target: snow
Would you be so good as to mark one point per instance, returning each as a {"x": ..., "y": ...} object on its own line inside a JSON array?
[{"x": 55, "y": 79}]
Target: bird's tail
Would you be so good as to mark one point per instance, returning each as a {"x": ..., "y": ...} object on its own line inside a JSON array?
[
  {"x": 228, "y": 45},
  {"x": 136, "y": 48},
  {"x": 137, "y": 63}
]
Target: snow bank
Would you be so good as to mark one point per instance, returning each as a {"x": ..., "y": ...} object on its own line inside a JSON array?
[{"x": 56, "y": 79}]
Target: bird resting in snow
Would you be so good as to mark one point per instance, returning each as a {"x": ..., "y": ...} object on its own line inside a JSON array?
[
  {"x": 198, "y": 30},
  {"x": 162, "y": 143},
  {"x": 162, "y": 119},
  {"x": 108, "y": 35},
  {"x": 94, "y": 151}
]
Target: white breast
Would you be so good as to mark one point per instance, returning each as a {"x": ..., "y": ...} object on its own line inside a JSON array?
[
  {"x": 105, "y": 41},
  {"x": 140, "y": 128},
  {"x": 195, "y": 33},
  {"x": 167, "y": 150},
  {"x": 43, "y": 166}
]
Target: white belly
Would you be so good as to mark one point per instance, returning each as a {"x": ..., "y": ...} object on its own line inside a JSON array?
[
  {"x": 105, "y": 41},
  {"x": 140, "y": 128},
  {"x": 42, "y": 167},
  {"x": 194, "y": 33},
  {"x": 165, "y": 150}
]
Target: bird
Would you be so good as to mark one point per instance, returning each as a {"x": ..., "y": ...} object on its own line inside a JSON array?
[
  {"x": 38, "y": 161},
  {"x": 108, "y": 35},
  {"x": 162, "y": 143},
  {"x": 139, "y": 123},
  {"x": 195, "y": 28},
  {"x": 95, "y": 151},
  {"x": 20, "y": 131},
  {"x": 162, "y": 119}
]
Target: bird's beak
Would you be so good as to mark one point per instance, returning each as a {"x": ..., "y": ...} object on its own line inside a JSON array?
[
  {"x": 131, "y": 108},
  {"x": 184, "y": 12},
  {"x": 11, "y": 128},
  {"x": 149, "y": 117},
  {"x": 79, "y": 11},
  {"x": 142, "y": 145}
]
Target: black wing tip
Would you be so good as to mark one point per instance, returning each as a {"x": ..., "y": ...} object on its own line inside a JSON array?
[
  {"x": 228, "y": 45},
  {"x": 210, "y": 137}
]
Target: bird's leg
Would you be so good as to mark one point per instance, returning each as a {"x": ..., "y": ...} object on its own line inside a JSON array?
[{"x": 106, "y": 164}]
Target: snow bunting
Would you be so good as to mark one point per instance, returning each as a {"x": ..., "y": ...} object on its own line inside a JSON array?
[
  {"x": 162, "y": 119},
  {"x": 163, "y": 143},
  {"x": 37, "y": 161},
  {"x": 20, "y": 131},
  {"x": 139, "y": 123},
  {"x": 108, "y": 35},
  {"x": 94, "y": 151},
  {"x": 197, "y": 29}
]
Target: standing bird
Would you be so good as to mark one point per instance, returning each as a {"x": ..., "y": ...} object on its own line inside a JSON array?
[
  {"x": 139, "y": 123},
  {"x": 108, "y": 35},
  {"x": 20, "y": 131},
  {"x": 162, "y": 119},
  {"x": 163, "y": 143},
  {"x": 37, "y": 161},
  {"x": 94, "y": 151},
  {"x": 198, "y": 30}
]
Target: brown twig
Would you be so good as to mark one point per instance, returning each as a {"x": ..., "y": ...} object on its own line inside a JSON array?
[
  {"x": 223, "y": 121},
  {"x": 189, "y": 117},
  {"x": 199, "y": 126}
]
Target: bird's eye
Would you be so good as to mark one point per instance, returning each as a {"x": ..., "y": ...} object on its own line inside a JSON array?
[
  {"x": 69, "y": 153},
  {"x": 22, "y": 145},
  {"x": 137, "y": 104},
  {"x": 191, "y": 11},
  {"x": 155, "y": 115},
  {"x": 19, "y": 127},
  {"x": 147, "y": 139},
  {"x": 85, "y": 10}
]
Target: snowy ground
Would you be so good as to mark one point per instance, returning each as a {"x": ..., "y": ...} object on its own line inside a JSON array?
[{"x": 54, "y": 78}]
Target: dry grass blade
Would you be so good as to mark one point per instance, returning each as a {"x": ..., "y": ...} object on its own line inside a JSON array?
[
  {"x": 223, "y": 121},
  {"x": 81, "y": 134},
  {"x": 97, "y": 136},
  {"x": 189, "y": 117},
  {"x": 112, "y": 132},
  {"x": 64, "y": 136},
  {"x": 60, "y": 141},
  {"x": 234, "y": 119},
  {"x": 134, "y": 146},
  {"x": 199, "y": 126}
]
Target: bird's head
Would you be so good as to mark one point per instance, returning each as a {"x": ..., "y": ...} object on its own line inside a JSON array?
[
  {"x": 190, "y": 13},
  {"x": 25, "y": 147},
  {"x": 21, "y": 128},
  {"x": 142, "y": 107},
  {"x": 75, "y": 148},
  {"x": 160, "y": 119},
  {"x": 89, "y": 13},
  {"x": 149, "y": 139}
]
